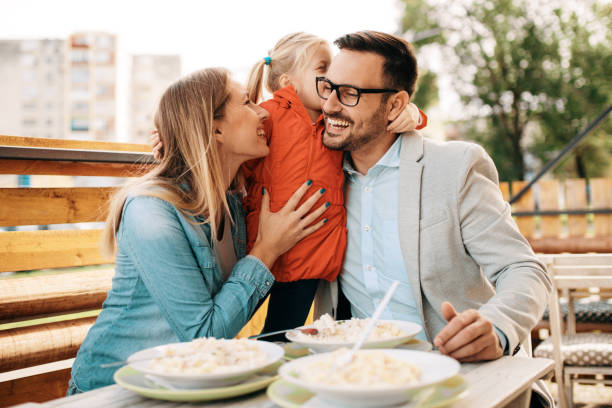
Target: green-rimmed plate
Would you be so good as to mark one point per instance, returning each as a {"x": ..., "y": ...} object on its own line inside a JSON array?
[
  {"x": 293, "y": 351},
  {"x": 135, "y": 381},
  {"x": 445, "y": 393}
]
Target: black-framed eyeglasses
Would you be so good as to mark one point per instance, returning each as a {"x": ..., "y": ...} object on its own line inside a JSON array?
[{"x": 348, "y": 95}]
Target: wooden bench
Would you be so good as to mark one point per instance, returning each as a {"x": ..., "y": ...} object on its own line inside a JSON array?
[{"x": 44, "y": 318}]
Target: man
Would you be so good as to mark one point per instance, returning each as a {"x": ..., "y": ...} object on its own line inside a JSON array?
[{"x": 426, "y": 213}]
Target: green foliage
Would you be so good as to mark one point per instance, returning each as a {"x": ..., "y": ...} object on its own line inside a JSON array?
[
  {"x": 536, "y": 74},
  {"x": 427, "y": 90}
]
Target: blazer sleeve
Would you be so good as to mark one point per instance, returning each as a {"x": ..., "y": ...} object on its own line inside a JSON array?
[
  {"x": 493, "y": 240},
  {"x": 155, "y": 241}
]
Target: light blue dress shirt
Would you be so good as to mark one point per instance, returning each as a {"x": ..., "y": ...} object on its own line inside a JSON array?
[{"x": 373, "y": 258}]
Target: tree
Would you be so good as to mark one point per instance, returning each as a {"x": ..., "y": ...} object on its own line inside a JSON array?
[{"x": 522, "y": 66}]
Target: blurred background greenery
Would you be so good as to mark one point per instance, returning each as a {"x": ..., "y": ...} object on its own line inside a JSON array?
[{"x": 530, "y": 74}]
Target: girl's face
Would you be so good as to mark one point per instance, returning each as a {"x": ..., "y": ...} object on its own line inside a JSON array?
[
  {"x": 240, "y": 132},
  {"x": 303, "y": 80}
]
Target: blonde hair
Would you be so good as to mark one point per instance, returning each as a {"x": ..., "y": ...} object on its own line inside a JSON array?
[
  {"x": 291, "y": 52},
  {"x": 184, "y": 120}
]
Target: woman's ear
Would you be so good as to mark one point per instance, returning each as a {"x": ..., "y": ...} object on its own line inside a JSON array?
[
  {"x": 284, "y": 80},
  {"x": 398, "y": 103},
  {"x": 217, "y": 128}
]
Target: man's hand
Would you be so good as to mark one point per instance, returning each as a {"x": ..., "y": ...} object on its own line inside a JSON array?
[{"x": 468, "y": 336}]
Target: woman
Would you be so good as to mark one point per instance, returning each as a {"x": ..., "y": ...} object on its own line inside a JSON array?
[{"x": 179, "y": 231}]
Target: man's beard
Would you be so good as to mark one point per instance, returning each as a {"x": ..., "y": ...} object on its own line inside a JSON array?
[{"x": 374, "y": 126}]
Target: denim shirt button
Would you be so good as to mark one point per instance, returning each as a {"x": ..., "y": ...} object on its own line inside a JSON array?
[{"x": 267, "y": 283}]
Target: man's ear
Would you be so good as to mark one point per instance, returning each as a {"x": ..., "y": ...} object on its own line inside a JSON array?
[
  {"x": 398, "y": 102},
  {"x": 284, "y": 80}
]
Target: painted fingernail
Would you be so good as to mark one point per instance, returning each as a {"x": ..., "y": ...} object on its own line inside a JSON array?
[
  {"x": 322, "y": 191},
  {"x": 324, "y": 220},
  {"x": 327, "y": 204},
  {"x": 309, "y": 182},
  {"x": 263, "y": 190}
]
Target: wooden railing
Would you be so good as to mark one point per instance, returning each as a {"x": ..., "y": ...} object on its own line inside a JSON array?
[
  {"x": 45, "y": 318},
  {"x": 565, "y": 220},
  {"x": 43, "y": 335}
]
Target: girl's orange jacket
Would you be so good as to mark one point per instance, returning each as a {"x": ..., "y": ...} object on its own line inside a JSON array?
[{"x": 297, "y": 154}]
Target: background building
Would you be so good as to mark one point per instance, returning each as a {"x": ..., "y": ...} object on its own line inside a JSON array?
[
  {"x": 150, "y": 75},
  {"x": 32, "y": 80},
  {"x": 92, "y": 81}
]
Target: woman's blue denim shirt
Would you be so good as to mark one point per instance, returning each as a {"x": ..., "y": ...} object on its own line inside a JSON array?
[{"x": 167, "y": 288}]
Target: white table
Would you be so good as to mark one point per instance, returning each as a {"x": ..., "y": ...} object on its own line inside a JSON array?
[{"x": 505, "y": 382}]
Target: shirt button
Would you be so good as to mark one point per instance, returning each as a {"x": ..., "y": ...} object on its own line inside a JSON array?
[
  {"x": 366, "y": 228},
  {"x": 369, "y": 267},
  {"x": 367, "y": 189},
  {"x": 267, "y": 283}
]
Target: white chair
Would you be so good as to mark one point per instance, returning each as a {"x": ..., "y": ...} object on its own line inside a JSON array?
[{"x": 577, "y": 353}]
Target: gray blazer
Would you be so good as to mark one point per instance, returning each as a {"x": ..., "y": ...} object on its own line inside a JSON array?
[{"x": 460, "y": 242}]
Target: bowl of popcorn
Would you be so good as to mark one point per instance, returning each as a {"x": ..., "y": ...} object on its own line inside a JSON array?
[
  {"x": 373, "y": 378},
  {"x": 206, "y": 362}
]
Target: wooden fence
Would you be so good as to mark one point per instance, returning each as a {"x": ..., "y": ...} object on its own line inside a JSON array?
[{"x": 565, "y": 216}]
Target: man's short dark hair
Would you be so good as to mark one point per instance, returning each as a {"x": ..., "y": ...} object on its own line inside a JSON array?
[{"x": 400, "y": 67}]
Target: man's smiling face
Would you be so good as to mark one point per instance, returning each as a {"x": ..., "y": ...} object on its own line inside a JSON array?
[{"x": 352, "y": 127}]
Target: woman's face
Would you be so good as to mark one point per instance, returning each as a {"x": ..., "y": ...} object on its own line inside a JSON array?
[{"x": 240, "y": 132}]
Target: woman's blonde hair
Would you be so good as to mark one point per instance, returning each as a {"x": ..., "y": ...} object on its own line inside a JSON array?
[
  {"x": 291, "y": 52},
  {"x": 189, "y": 175}
]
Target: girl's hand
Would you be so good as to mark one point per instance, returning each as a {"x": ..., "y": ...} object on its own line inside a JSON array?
[
  {"x": 407, "y": 120},
  {"x": 156, "y": 145},
  {"x": 280, "y": 231}
]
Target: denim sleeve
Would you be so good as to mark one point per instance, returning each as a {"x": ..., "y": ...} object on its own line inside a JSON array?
[{"x": 154, "y": 240}]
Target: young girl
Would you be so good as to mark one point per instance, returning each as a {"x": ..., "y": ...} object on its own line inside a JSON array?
[
  {"x": 294, "y": 134},
  {"x": 294, "y": 131}
]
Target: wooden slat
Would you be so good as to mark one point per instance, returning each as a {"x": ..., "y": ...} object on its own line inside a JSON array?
[
  {"x": 526, "y": 224},
  {"x": 66, "y": 168},
  {"x": 47, "y": 294},
  {"x": 72, "y": 144},
  {"x": 578, "y": 245},
  {"x": 601, "y": 197},
  {"x": 34, "y": 345},
  {"x": 36, "y": 388},
  {"x": 504, "y": 186},
  {"x": 27, "y": 250},
  {"x": 583, "y": 282},
  {"x": 577, "y": 259},
  {"x": 42, "y": 206},
  {"x": 588, "y": 270},
  {"x": 575, "y": 199},
  {"x": 549, "y": 200}
]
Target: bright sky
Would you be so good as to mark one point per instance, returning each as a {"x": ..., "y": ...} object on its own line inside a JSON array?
[
  {"x": 231, "y": 33},
  {"x": 228, "y": 33}
]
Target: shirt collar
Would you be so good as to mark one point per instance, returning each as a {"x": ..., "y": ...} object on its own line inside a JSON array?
[{"x": 390, "y": 159}]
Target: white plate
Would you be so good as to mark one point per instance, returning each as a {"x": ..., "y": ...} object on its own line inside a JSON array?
[
  {"x": 319, "y": 346},
  {"x": 141, "y": 361},
  {"x": 435, "y": 369}
]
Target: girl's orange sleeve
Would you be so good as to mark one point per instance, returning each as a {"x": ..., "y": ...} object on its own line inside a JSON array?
[{"x": 423, "y": 120}]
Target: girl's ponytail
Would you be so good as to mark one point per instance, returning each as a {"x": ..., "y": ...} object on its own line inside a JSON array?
[{"x": 255, "y": 84}]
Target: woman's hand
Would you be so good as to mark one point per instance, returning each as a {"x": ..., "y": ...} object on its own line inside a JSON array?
[
  {"x": 280, "y": 231},
  {"x": 156, "y": 145},
  {"x": 407, "y": 120}
]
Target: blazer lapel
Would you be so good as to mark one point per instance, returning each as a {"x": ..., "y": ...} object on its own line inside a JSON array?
[{"x": 409, "y": 208}]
